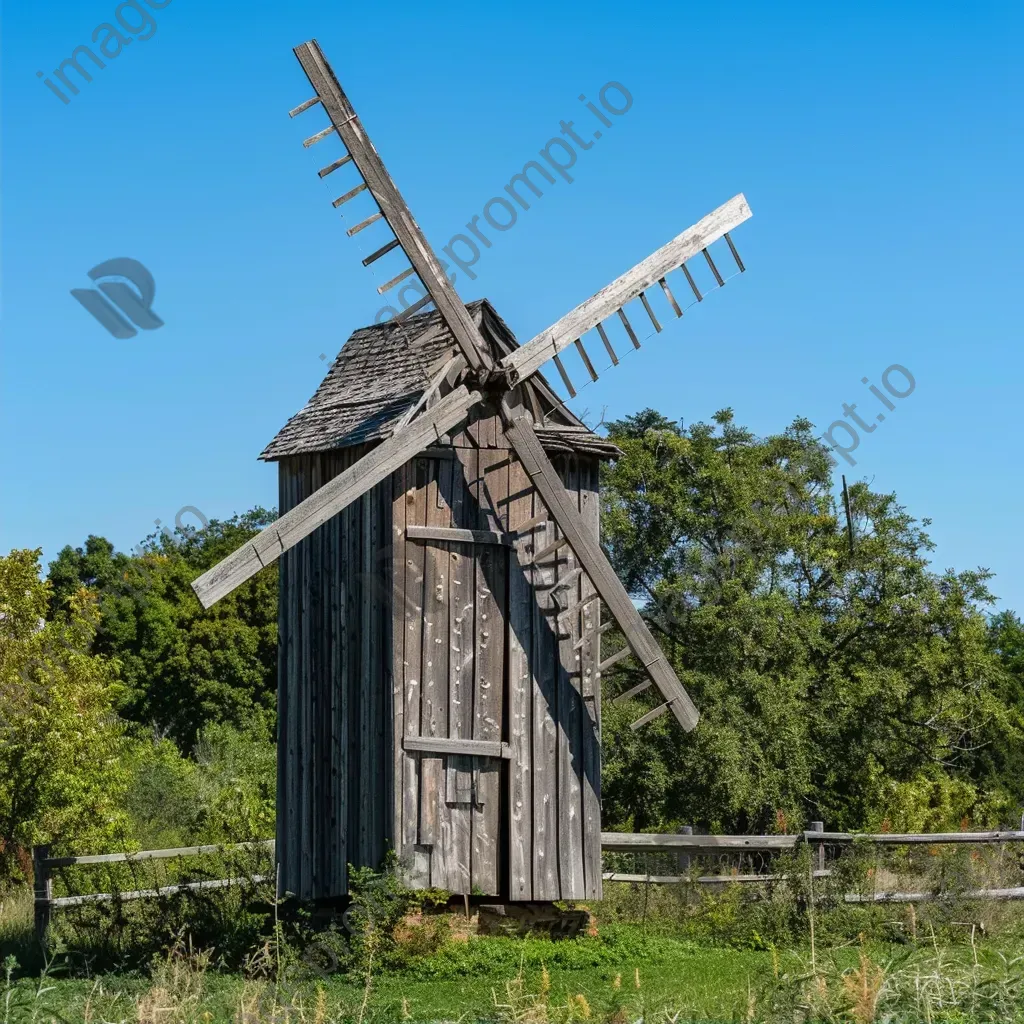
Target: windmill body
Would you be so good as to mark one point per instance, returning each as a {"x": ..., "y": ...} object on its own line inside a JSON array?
[
  {"x": 443, "y": 588},
  {"x": 432, "y": 699}
]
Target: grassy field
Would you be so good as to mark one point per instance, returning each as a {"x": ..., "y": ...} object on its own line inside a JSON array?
[{"x": 625, "y": 973}]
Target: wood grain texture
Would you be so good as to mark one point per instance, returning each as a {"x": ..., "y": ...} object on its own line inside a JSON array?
[
  {"x": 328, "y": 500},
  {"x": 589, "y": 656},
  {"x": 462, "y": 574},
  {"x": 417, "y": 858},
  {"x": 528, "y": 358},
  {"x": 520, "y": 683},
  {"x": 588, "y": 551},
  {"x": 570, "y": 717},
  {"x": 489, "y": 677},
  {"x": 456, "y": 534},
  {"x": 434, "y": 822},
  {"x": 545, "y": 711}
]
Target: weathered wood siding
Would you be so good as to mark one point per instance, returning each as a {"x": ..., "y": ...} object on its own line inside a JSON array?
[
  {"x": 482, "y": 655},
  {"x": 334, "y": 686},
  {"x": 387, "y": 638}
]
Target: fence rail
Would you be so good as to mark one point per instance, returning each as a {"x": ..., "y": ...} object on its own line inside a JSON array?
[
  {"x": 43, "y": 866},
  {"x": 684, "y": 845}
]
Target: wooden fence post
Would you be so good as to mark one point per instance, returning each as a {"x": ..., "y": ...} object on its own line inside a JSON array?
[
  {"x": 819, "y": 826},
  {"x": 42, "y": 881},
  {"x": 684, "y": 857}
]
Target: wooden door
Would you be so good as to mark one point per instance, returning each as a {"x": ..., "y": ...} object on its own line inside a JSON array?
[{"x": 458, "y": 738}]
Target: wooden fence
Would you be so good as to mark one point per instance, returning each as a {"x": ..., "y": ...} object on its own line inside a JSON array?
[
  {"x": 684, "y": 845},
  {"x": 43, "y": 866}
]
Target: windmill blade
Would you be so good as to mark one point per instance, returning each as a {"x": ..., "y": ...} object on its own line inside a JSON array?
[
  {"x": 335, "y": 495},
  {"x": 528, "y": 358},
  {"x": 587, "y": 549},
  {"x": 391, "y": 206}
]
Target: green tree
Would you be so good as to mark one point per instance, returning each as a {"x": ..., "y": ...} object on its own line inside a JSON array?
[
  {"x": 182, "y": 667},
  {"x": 845, "y": 686},
  {"x": 62, "y": 778}
]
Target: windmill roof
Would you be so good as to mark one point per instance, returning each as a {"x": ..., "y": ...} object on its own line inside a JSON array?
[{"x": 383, "y": 370}]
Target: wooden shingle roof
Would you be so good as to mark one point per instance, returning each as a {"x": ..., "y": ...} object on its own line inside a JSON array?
[{"x": 381, "y": 372}]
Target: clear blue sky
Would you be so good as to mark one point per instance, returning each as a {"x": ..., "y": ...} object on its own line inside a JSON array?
[{"x": 880, "y": 148}]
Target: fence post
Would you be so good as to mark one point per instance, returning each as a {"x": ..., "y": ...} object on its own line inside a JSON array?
[
  {"x": 684, "y": 856},
  {"x": 819, "y": 860},
  {"x": 42, "y": 881}
]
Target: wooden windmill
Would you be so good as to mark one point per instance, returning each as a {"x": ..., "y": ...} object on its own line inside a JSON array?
[{"x": 442, "y": 580}]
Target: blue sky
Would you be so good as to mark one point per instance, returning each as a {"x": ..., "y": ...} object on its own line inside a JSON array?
[{"x": 879, "y": 146}]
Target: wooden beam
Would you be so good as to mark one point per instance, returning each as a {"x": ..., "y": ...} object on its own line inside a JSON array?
[
  {"x": 527, "y": 359},
  {"x": 592, "y": 560},
  {"x": 548, "y": 550},
  {"x": 614, "y": 659},
  {"x": 442, "y": 745},
  {"x": 899, "y": 839},
  {"x": 345, "y": 120},
  {"x": 458, "y": 536},
  {"x": 621, "y": 842},
  {"x": 330, "y": 499},
  {"x": 649, "y": 717},
  {"x": 632, "y": 692}
]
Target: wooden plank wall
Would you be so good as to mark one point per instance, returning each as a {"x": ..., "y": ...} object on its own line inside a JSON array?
[
  {"x": 384, "y": 637},
  {"x": 334, "y": 686},
  {"x": 483, "y": 656}
]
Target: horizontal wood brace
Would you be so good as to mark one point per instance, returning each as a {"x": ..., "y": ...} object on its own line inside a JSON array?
[
  {"x": 653, "y": 842},
  {"x": 614, "y": 659},
  {"x": 314, "y": 139},
  {"x": 586, "y": 636},
  {"x": 532, "y": 524},
  {"x": 372, "y": 219},
  {"x": 579, "y": 606},
  {"x": 568, "y": 581},
  {"x": 441, "y": 745},
  {"x": 334, "y": 165},
  {"x": 550, "y": 549},
  {"x": 295, "y": 111},
  {"x": 458, "y": 536},
  {"x": 650, "y": 716},
  {"x": 350, "y": 194},
  {"x": 632, "y": 692},
  {"x": 414, "y": 308}
]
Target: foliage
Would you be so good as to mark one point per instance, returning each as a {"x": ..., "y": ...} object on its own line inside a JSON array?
[
  {"x": 182, "y": 666},
  {"x": 224, "y": 792},
  {"x": 62, "y": 779},
  {"x": 855, "y": 687}
]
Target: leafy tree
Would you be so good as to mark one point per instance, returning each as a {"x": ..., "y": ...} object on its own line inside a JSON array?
[
  {"x": 848, "y": 686},
  {"x": 61, "y": 775},
  {"x": 182, "y": 667}
]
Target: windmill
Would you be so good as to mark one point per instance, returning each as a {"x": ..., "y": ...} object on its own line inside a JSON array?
[{"x": 442, "y": 579}]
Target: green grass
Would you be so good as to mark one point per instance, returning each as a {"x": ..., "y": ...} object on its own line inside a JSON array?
[
  {"x": 627, "y": 972},
  {"x": 711, "y": 984}
]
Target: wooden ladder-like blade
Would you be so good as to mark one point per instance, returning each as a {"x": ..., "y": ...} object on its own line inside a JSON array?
[
  {"x": 335, "y": 495},
  {"x": 543, "y": 475},
  {"x": 392, "y": 207},
  {"x": 611, "y": 299}
]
